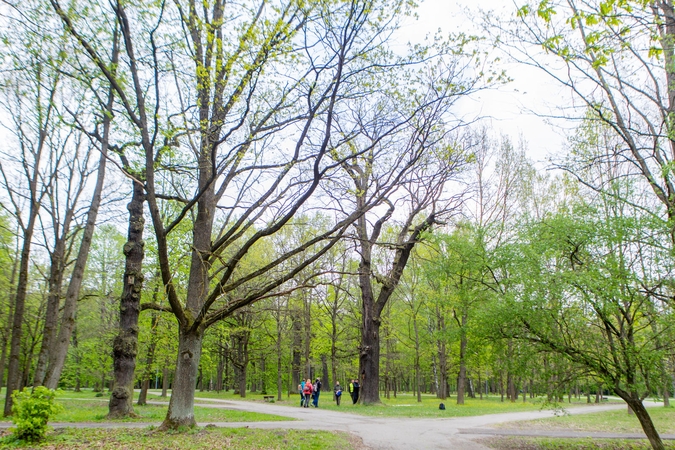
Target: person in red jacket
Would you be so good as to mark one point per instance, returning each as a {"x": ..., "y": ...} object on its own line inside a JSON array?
[{"x": 307, "y": 391}]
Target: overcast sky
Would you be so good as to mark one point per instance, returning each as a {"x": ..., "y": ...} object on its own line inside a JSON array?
[{"x": 511, "y": 107}]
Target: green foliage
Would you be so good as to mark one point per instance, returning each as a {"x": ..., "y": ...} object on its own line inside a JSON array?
[{"x": 31, "y": 412}]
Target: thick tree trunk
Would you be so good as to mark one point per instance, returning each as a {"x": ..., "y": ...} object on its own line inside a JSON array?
[
  {"x": 181, "y": 405},
  {"x": 125, "y": 345},
  {"x": 369, "y": 361}
]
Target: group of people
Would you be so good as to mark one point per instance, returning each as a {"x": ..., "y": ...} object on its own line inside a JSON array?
[
  {"x": 309, "y": 390},
  {"x": 352, "y": 388}
]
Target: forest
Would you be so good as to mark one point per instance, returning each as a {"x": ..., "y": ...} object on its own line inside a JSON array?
[{"x": 214, "y": 196}]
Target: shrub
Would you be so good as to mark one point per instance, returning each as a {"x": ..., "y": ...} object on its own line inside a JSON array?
[{"x": 31, "y": 411}]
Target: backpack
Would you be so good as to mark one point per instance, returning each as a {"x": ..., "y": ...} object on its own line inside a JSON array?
[{"x": 441, "y": 407}]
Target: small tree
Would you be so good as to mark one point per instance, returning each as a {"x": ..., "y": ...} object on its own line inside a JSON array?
[{"x": 31, "y": 412}]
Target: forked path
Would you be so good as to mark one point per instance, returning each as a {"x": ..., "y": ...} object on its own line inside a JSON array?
[
  {"x": 384, "y": 433},
  {"x": 380, "y": 433}
]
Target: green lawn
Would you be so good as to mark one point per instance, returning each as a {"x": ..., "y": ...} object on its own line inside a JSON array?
[
  {"x": 199, "y": 438},
  {"x": 85, "y": 406},
  {"x": 406, "y": 405},
  {"x": 618, "y": 421},
  {"x": 527, "y": 443}
]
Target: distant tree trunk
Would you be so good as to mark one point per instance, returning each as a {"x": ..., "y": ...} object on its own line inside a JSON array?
[
  {"x": 307, "y": 324},
  {"x": 417, "y": 359},
  {"x": 55, "y": 283},
  {"x": 59, "y": 351},
  {"x": 297, "y": 348},
  {"x": 8, "y": 325},
  {"x": 326, "y": 375},
  {"x": 125, "y": 344},
  {"x": 279, "y": 363},
  {"x": 150, "y": 357},
  {"x": 165, "y": 381},
  {"x": 442, "y": 359},
  {"x": 78, "y": 361},
  {"x": 13, "y": 375},
  {"x": 461, "y": 378}
]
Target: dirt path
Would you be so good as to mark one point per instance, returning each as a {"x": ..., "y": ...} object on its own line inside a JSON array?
[{"x": 385, "y": 433}]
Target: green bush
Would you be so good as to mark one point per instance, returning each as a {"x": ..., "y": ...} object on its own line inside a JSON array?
[{"x": 31, "y": 411}]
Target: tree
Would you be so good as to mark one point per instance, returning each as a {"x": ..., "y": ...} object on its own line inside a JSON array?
[
  {"x": 281, "y": 75},
  {"x": 591, "y": 280}
]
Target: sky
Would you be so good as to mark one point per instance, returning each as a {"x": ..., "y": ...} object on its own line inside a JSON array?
[{"x": 514, "y": 109}]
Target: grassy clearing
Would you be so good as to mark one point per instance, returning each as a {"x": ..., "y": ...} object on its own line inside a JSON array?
[
  {"x": 199, "y": 438},
  {"x": 85, "y": 406},
  {"x": 527, "y": 443},
  {"x": 406, "y": 405},
  {"x": 618, "y": 421}
]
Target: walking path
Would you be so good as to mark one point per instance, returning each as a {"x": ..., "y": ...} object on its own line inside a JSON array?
[{"x": 387, "y": 433}]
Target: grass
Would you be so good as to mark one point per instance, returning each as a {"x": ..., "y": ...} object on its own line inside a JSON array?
[
  {"x": 528, "y": 443},
  {"x": 86, "y": 407},
  {"x": 618, "y": 421},
  {"x": 406, "y": 405},
  {"x": 198, "y": 438}
]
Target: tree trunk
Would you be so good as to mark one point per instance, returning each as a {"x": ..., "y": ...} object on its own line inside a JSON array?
[
  {"x": 165, "y": 381},
  {"x": 297, "y": 348},
  {"x": 13, "y": 375},
  {"x": 125, "y": 345},
  {"x": 326, "y": 374},
  {"x": 52, "y": 310},
  {"x": 181, "y": 405},
  {"x": 57, "y": 357},
  {"x": 461, "y": 377},
  {"x": 369, "y": 361},
  {"x": 8, "y": 326},
  {"x": 147, "y": 374},
  {"x": 279, "y": 363},
  {"x": 443, "y": 369},
  {"x": 635, "y": 403}
]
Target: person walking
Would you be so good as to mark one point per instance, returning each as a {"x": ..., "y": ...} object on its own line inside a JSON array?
[
  {"x": 301, "y": 388},
  {"x": 355, "y": 396},
  {"x": 350, "y": 389},
  {"x": 337, "y": 389},
  {"x": 307, "y": 391},
  {"x": 317, "y": 391}
]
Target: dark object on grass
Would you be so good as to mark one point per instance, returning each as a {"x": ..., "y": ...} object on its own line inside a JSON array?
[{"x": 441, "y": 407}]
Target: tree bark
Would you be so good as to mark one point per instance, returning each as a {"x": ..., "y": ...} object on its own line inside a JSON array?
[
  {"x": 635, "y": 403},
  {"x": 13, "y": 375},
  {"x": 165, "y": 381},
  {"x": 181, "y": 405},
  {"x": 53, "y": 300},
  {"x": 147, "y": 374},
  {"x": 125, "y": 344},
  {"x": 369, "y": 360},
  {"x": 461, "y": 377}
]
